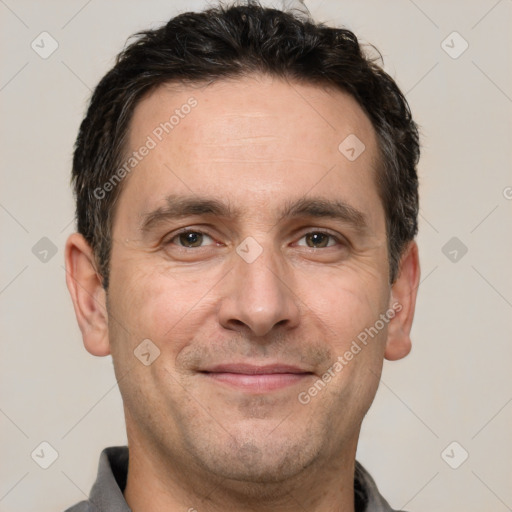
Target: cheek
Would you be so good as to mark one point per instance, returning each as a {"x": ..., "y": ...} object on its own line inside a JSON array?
[
  {"x": 157, "y": 303},
  {"x": 348, "y": 315},
  {"x": 345, "y": 303}
]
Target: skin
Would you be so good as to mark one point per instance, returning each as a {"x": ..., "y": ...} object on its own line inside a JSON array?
[{"x": 196, "y": 442}]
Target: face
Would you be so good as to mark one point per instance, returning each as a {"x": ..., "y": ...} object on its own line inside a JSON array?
[{"x": 252, "y": 252}]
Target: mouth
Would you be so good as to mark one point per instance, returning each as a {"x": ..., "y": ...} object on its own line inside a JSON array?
[{"x": 253, "y": 378}]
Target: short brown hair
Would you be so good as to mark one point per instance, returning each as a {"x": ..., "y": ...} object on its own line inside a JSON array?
[{"x": 235, "y": 41}]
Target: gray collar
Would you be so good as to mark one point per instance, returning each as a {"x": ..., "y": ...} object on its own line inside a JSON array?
[{"x": 107, "y": 492}]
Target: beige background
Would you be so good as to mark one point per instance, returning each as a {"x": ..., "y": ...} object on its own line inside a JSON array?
[{"x": 456, "y": 383}]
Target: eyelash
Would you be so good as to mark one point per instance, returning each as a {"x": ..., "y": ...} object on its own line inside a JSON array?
[{"x": 197, "y": 231}]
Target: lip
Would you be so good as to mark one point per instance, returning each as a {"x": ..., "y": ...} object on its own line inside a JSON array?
[{"x": 256, "y": 378}]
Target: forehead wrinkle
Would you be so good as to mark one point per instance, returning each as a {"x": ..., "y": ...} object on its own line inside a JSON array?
[{"x": 255, "y": 138}]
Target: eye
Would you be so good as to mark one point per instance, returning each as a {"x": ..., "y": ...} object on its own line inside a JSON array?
[
  {"x": 319, "y": 239},
  {"x": 188, "y": 239}
]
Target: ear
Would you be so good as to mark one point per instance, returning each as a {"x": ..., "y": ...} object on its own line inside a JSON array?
[
  {"x": 403, "y": 302},
  {"x": 89, "y": 298}
]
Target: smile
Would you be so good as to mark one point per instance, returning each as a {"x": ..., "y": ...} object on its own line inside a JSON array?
[{"x": 256, "y": 378}]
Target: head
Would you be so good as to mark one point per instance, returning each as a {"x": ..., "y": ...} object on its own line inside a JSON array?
[{"x": 290, "y": 158}]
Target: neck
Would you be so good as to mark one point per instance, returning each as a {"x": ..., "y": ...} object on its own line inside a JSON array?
[{"x": 161, "y": 483}]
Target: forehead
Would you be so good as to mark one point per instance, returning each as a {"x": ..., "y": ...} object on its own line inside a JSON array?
[
  {"x": 260, "y": 106},
  {"x": 261, "y": 134}
]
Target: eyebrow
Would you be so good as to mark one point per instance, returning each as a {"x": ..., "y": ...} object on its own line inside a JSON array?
[{"x": 177, "y": 207}]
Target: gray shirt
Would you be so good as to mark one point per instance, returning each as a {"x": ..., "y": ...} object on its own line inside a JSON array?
[{"x": 107, "y": 492}]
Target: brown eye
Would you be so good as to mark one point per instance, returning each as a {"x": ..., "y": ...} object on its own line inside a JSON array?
[
  {"x": 189, "y": 239},
  {"x": 194, "y": 239},
  {"x": 318, "y": 239}
]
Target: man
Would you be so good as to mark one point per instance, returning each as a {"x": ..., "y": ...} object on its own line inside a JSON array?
[{"x": 247, "y": 205}]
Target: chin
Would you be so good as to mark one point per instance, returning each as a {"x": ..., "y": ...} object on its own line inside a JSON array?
[{"x": 259, "y": 462}]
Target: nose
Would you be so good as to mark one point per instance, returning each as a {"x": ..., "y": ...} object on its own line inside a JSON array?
[{"x": 257, "y": 296}]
